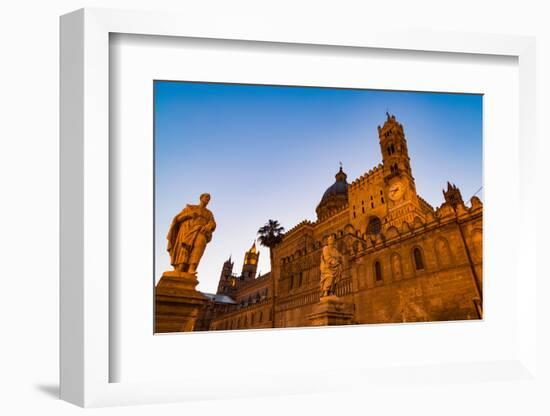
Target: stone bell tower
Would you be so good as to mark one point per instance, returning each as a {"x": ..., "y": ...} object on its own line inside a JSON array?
[
  {"x": 227, "y": 280},
  {"x": 250, "y": 264},
  {"x": 393, "y": 145},
  {"x": 403, "y": 203}
]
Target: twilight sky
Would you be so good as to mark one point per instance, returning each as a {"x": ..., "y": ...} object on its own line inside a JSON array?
[{"x": 269, "y": 152}]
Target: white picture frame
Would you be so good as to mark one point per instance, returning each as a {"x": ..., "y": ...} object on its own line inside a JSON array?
[{"x": 85, "y": 211}]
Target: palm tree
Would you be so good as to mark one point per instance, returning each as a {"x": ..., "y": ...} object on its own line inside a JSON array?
[{"x": 269, "y": 236}]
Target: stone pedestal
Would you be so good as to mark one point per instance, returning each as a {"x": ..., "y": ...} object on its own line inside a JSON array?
[
  {"x": 331, "y": 310},
  {"x": 177, "y": 302}
]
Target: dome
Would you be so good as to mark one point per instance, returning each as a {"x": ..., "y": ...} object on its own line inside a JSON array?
[{"x": 335, "y": 196}]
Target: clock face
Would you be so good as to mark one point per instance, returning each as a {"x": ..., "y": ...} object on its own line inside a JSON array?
[{"x": 396, "y": 191}]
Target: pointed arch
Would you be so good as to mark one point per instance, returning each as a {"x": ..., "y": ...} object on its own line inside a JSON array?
[
  {"x": 443, "y": 252},
  {"x": 392, "y": 232}
]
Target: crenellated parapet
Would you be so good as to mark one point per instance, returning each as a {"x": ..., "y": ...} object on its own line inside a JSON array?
[
  {"x": 298, "y": 227},
  {"x": 368, "y": 177}
]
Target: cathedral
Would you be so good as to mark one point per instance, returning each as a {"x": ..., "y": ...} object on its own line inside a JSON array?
[{"x": 403, "y": 260}]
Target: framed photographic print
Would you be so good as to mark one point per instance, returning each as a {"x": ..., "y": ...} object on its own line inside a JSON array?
[
  {"x": 364, "y": 250},
  {"x": 291, "y": 207}
]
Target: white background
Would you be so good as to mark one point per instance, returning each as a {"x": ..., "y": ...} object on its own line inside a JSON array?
[{"x": 29, "y": 210}]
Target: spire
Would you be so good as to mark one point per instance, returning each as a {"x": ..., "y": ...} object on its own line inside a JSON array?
[{"x": 250, "y": 263}]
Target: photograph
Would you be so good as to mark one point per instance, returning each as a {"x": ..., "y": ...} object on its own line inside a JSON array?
[{"x": 289, "y": 206}]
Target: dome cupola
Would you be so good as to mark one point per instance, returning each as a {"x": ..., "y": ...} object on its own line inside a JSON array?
[{"x": 335, "y": 197}]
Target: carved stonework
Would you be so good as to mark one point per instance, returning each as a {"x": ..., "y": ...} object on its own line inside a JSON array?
[
  {"x": 191, "y": 230},
  {"x": 177, "y": 302},
  {"x": 331, "y": 310},
  {"x": 331, "y": 268}
]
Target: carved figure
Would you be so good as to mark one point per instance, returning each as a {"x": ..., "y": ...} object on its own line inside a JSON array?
[
  {"x": 331, "y": 268},
  {"x": 191, "y": 230}
]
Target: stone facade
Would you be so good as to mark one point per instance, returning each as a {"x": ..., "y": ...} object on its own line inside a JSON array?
[{"x": 403, "y": 260}]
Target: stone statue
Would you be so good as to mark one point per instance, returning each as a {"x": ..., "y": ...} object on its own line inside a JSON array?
[
  {"x": 331, "y": 268},
  {"x": 188, "y": 235}
]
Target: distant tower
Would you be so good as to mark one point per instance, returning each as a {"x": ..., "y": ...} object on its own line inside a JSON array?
[
  {"x": 395, "y": 154},
  {"x": 452, "y": 195},
  {"x": 226, "y": 280},
  {"x": 250, "y": 264}
]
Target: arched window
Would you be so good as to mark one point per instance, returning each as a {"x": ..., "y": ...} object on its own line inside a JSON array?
[
  {"x": 418, "y": 261},
  {"x": 374, "y": 226},
  {"x": 261, "y": 317},
  {"x": 377, "y": 271}
]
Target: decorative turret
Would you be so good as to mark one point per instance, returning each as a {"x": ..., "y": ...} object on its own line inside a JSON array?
[
  {"x": 452, "y": 195},
  {"x": 250, "y": 264}
]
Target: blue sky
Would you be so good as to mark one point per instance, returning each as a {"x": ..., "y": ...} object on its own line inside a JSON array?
[{"x": 269, "y": 152}]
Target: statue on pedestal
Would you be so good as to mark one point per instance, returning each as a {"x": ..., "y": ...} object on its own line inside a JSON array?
[
  {"x": 331, "y": 268},
  {"x": 191, "y": 230},
  {"x": 331, "y": 309},
  {"x": 177, "y": 302}
]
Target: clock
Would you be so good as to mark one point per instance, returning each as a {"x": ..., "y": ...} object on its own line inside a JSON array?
[{"x": 396, "y": 191}]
